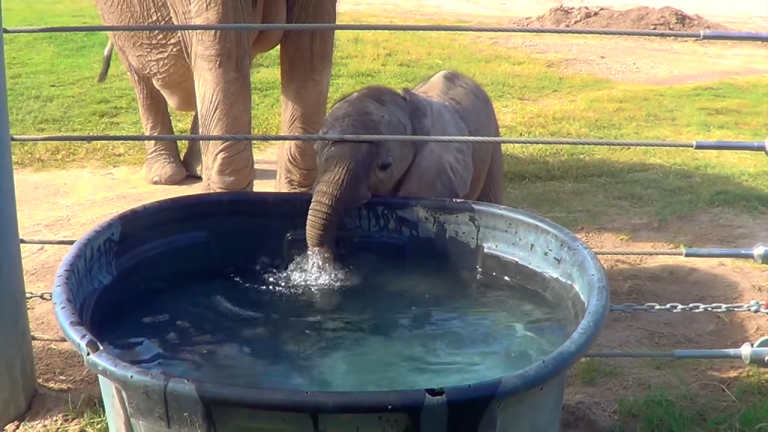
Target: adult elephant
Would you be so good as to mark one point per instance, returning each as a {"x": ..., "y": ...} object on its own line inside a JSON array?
[
  {"x": 447, "y": 104},
  {"x": 208, "y": 73}
]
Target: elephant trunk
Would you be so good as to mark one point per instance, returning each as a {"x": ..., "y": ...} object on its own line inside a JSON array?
[{"x": 335, "y": 192}]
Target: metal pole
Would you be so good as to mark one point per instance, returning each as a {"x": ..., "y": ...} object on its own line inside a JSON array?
[{"x": 17, "y": 367}]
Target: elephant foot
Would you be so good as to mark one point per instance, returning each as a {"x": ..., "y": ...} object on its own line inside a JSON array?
[
  {"x": 193, "y": 159},
  {"x": 284, "y": 187},
  {"x": 163, "y": 171},
  {"x": 294, "y": 181}
]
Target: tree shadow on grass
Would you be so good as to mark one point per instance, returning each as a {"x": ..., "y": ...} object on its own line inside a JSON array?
[{"x": 576, "y": 188}]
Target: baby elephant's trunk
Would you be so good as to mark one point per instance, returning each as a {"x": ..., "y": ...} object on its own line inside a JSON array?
[{"x": 337, "y": 190}]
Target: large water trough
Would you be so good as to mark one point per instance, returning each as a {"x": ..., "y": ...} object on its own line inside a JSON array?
[{"x": 460, "y": 317}]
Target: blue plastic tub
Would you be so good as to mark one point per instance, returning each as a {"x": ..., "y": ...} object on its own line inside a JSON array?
[{"x": 206, "y": 232}]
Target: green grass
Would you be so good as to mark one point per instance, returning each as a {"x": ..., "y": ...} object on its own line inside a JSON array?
[
  {"x": 681, "y": 404},
  {"x": 91, "y": 419},
  {"x": 741, "y": 408},
  {"x": 53, "y": 90},
  {"x": 590, "y": 371}
]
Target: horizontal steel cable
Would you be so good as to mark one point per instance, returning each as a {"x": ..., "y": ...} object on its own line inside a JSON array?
[
  {"x": 677, "y": 354},
  {"x": 757, "y": 253},
  {"x": 628, "y": 252},
  {"x": 630, "y": 354},
  {"x": 760, "y": 146},
  {"x": 639, "y": 252},
  {"x": 733, "y": 354},
  {"x": 53, "y": 242},
  {"x": 703, "y": 35},
  {"x": 356, "y": 138},
  {"x": 44, "y": 338}
]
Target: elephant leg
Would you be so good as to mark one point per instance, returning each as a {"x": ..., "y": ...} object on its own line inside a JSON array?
[
  {"x": 162, "y": 165},
  {"x": 305, "y": 74},
  {"x": 193, "y": 158},
  {"x": 221, "y": 68},
  {"x": 493, "y": 188}
]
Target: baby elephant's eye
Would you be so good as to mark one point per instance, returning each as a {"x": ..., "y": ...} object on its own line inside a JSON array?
[{"x": 385, "y": 166}]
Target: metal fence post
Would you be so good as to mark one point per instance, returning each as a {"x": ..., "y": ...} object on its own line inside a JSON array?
[{"x": 17, "y": 369}]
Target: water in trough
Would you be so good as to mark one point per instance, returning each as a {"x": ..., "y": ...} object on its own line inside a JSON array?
[{"x": 394, "y": 324}]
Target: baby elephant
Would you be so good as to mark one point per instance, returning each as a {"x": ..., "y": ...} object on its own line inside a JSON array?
[{"x": 447, "y": 104}]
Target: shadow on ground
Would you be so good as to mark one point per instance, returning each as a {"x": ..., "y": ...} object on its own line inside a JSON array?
[
  {"x": 265, "y": 174},
  {"x": 652, "y": 202}
]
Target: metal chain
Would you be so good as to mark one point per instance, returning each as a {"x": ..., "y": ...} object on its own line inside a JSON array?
[
  {"x": 43, "y": 295},
  {"x": 753, "y": 306}
]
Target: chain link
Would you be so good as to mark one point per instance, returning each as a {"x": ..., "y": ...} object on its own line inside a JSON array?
[
  {"x": 753, "y": 306},
  {"x": 43, "y": 295}
]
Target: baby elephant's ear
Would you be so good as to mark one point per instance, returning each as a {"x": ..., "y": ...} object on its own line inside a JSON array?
[
  {"x": 418, "y": 113},
  {"x": 440, "y": 170}
]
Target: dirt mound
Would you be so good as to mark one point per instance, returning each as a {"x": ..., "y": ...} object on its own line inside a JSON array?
[{"x": 639, "y": 18}]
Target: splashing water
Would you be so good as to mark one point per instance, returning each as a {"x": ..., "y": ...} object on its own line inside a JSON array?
[{"x": 313, "y": 271}]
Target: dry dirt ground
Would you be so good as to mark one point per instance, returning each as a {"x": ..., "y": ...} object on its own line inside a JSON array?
[
  {"x": 640, "y": 60},
  {"x": 65, "y": 204}
]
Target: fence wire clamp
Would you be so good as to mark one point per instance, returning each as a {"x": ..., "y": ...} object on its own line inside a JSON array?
[
  {"x": 757, "y": 253},
  {"x": 753, "y": 306},
  {"x": 760, "y": 251},
  {"x": 756, "y": 354},
  {"x": 44, "y": 295}
]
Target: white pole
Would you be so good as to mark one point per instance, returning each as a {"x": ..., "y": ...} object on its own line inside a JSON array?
[{"x": 17, "y": 368}]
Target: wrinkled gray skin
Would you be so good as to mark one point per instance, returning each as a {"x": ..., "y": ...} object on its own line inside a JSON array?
[
  {"x": 447, "y": 104},
  {"x": 208, "y": 73}
]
